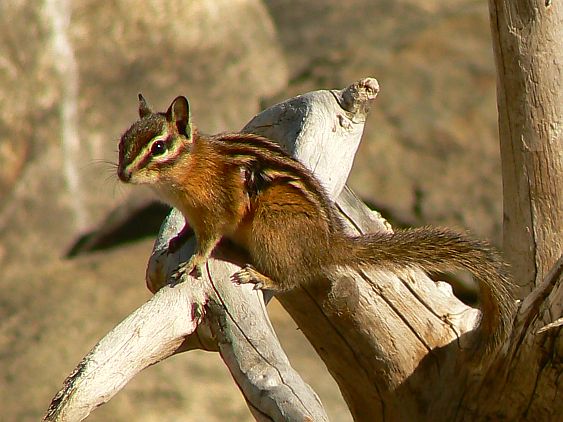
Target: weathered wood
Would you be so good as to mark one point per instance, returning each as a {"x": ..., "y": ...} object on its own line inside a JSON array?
[
  {"x": 212, "y": 313},
  {"x": 322, "y": 129},
  {"x": 206, "y": 314},
  {"x": 373, "y": 330},
  {"x": 236, "y": 324},
  {"x": 528, "y": 44},
  {"x": 391, "y": 341},
  {"x": 150, "y": 334}
]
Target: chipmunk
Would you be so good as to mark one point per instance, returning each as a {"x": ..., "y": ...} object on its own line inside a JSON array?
[{"x": 245, "y": 188}]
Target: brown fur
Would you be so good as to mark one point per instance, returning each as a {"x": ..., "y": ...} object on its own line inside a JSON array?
[{"x": 245, "y": 188}]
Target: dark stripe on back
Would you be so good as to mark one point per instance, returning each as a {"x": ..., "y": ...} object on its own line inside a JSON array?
[
  {"x": 276, "y": 159},
  {"x": 253, "y": 140}
]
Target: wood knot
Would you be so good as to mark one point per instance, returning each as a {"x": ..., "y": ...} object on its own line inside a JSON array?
[{"x": 343, "y": 297}]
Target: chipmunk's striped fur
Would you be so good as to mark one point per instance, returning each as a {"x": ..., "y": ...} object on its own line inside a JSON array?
[{"x": 247, "y": 189}]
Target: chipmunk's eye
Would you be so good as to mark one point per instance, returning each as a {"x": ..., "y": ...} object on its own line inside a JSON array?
[{"x": 158, "y": 148}]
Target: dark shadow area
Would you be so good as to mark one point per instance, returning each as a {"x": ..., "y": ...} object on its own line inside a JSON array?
[{"x": 126, "y": 223}]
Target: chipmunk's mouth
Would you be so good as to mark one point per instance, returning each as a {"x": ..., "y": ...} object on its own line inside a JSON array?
[
  {"x": 124, "y": 174},
  {"x": 136, "y": 177}
]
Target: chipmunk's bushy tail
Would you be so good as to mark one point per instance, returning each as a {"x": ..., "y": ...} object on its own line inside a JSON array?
[{"x": 442, "y": 250}]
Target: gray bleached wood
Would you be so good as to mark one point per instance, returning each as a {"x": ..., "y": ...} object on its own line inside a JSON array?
[
  {"x": 212, "y": 313},
  {"x": 209, "y": 314},
  {"x": 236, "y": 324},
  {"x": 152, "y": 333},
  {"x": 528, "y": 44},
  {"x": 527, "y": 39},
  {"x": 321, "y": 128}
]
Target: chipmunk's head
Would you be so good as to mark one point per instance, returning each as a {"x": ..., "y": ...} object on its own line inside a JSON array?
[{"x": 154, "y": 143}]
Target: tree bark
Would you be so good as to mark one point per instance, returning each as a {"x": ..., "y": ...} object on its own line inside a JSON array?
[
  {"x": 208, "y": 313},
  {"x": 528, "y": 45}
]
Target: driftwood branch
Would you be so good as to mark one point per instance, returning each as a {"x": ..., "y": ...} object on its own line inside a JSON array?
[
  {"x": 152, "y": 333},
  {"x": 206, "y": 313},
  {"x": 212, "y": 313}
]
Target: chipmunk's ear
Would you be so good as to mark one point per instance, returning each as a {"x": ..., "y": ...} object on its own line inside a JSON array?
[
  {"x": 179, "y": 113},
  {"x": 144, "y": 109}
]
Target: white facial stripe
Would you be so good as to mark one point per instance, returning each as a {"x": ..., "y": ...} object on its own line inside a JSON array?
[
  {"x": 147, "y": 150},
  {"x": 171, "y": 151}
]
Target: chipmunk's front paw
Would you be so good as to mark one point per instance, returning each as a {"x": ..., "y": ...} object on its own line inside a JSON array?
[{"x": 191, "y": 267}]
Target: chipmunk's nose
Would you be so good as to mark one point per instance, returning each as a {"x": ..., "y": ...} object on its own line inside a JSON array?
[{"x": 123, "y": 174}]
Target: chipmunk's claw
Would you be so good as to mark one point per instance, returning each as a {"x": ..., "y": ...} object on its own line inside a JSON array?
[
  {"x": 244, "y": 275},
  {"x": 250, "y": 275},
  {"x": 258, "y": 286}
]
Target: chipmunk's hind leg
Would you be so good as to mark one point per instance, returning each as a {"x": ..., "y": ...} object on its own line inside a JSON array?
[{"x": 289, "y": 240}]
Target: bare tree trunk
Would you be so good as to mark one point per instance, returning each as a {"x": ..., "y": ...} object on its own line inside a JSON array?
[{"x": 528, "y": 45}]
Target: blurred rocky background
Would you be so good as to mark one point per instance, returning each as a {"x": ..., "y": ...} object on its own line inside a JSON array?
[{"x": 69, "y": 74}]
